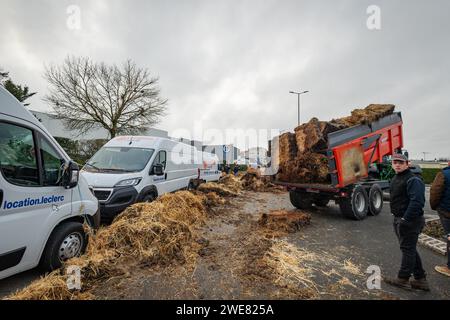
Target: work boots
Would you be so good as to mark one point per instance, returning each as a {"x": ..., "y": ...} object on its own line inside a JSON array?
[
  {"x": 398, "y": 282},
  {"x": 420, "y": 284}
]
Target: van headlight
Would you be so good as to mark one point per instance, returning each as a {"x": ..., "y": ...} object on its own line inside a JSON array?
[{"x": 129, "y": 182}]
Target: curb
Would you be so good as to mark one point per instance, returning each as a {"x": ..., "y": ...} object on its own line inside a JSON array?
[{"x": 434, "y": 244}]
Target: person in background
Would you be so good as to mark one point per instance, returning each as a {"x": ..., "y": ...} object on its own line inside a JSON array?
[
  {"x": 236, "y": 169},
  {"x": 440, "y": 201},
  {"x": 407, "y": 199},
  {"x": 227, "y": 168}
]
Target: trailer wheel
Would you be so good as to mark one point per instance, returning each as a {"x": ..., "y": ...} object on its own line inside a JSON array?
[
  {"x": 300, "y": 200},
  {"x": 322, "y": 202},
  {"x": 357, "y": 206},
  {"x": 68, "y": 240},
  {"x": 375, "y": 200}
]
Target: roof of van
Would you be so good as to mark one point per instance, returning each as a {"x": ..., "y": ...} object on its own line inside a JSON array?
[
  {"x": 10, "y": 106},
  {"x": 154, "y": 143},
  {"x": 145, "y": 142}
]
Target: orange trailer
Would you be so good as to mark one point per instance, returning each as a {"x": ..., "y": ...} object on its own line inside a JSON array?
[{"x": 353, "y": 153}]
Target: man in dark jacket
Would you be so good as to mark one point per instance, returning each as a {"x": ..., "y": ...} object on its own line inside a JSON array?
[
  {"x": 440, "y": 201},
  {"x": 407, "y": 197}
]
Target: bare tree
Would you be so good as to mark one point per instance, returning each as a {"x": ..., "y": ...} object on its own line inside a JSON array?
[
  {"x": 86, "y": 95},
  {"x": 3, "y": 75}
]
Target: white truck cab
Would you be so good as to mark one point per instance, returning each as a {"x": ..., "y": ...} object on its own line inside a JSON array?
[
  {"x": 131, "y": 169},
  {"x": 43, "y": 200}
]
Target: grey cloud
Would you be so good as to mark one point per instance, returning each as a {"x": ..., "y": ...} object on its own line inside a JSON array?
[{"x": 232, "y": 63}]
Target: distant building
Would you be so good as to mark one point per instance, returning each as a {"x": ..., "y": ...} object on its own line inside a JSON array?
[
  {"x": 194, "y": 143},
  {"x": 57, "y": 128},
  {"x": 228, "y": 153},
  {"x": 256, "y": 155},
  {"x": 430, "y": 164}
]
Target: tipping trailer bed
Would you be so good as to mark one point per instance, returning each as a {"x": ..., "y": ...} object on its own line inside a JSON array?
[{"x": 350, "y": 154}]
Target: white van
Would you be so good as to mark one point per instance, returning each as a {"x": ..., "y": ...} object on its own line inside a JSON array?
[
  {"x": 43, "y": 204},
  {"x": 131, "y": 169}
]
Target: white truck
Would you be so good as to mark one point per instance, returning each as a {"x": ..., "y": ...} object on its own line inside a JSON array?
[
  {"x": 131, "y": 169},
  {"x": 43, "y": 201}
]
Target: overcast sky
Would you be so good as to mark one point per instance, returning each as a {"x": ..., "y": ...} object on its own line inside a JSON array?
[{"x": 231, "y": 63}]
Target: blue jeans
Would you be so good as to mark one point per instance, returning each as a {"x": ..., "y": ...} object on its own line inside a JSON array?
[
  {"x": 408, "y": 236},
  {"x": 446, "y": 225}
]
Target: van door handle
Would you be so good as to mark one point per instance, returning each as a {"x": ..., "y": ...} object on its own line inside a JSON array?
[
  {"x": 165, "y": 176},
  {"x": 1, "y": 197}
]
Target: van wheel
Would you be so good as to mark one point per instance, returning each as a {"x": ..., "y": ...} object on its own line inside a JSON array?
[
  {"x": 149, "y": 197},
  {"x": 191, "y": 186},
  {"x": 68, "y": 240},
  {"x": 375, "y": 200}
]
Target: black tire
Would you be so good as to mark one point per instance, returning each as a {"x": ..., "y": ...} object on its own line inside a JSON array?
[
  {"x": 321, "y": 202},
  {"x": 375, "y": 200},
  {"x": 51, "y": 257},
  {"x": 300, "y": 200},
  {"x": 357, "y": 206},
  {"x": 149, "y": 197},
  {"x": 191, "y": 186},
  {"x": 106, "y": 220}
]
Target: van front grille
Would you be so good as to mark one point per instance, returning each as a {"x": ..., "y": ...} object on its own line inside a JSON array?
[{"x": 102, "y": 195}]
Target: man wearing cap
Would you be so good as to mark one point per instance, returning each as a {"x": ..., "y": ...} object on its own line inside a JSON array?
[
  {"x": 407, "y": 199},
  {"x": 440, "y": 201}
]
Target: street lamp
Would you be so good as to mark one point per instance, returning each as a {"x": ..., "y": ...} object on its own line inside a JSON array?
[{"x": 298, "y": 99}]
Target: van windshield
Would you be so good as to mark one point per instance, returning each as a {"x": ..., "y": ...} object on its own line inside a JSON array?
[{"x": 119, "y": 159}]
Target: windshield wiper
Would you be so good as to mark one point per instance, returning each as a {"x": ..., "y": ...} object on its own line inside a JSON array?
[
  {"x": 92, "y": 166},
  {"x": 116, "y": 170}
]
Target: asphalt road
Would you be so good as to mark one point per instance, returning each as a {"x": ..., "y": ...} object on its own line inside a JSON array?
[
  {"x": 368, "y": 242},
  {"x": 372, "y": 242}
]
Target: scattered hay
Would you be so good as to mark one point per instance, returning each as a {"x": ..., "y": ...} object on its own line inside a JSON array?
[
  {"x": 286, "y": 264},
  {"x": 213, "y": 200},
  {"x": 145, "y": 234},
  {"x": 350, "y": 267},
  {"x": 230, "y": 186},
  {"x": 217, "y": 188},
  {"x": 51, "y": 287},
  {"x": 155, "y": 232},
  {"x": 295, "y": 269},
  {"x": 346, "y": 282},
  {"x": 231, "y": 182},
  {"x": 252, "y": 180},
  {"x": 283, "y": 220}
]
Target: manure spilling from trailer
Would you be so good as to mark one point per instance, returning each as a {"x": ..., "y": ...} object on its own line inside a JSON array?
[{"x": 303, "y": 154}]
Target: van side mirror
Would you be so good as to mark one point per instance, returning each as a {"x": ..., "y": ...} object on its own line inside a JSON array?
[
  {"x": 158, "y": 169},
  {"x": 71, "y": 175}
]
